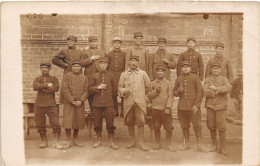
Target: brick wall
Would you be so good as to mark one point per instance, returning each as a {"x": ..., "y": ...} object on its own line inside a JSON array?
[{"x": 42, "y": 36}]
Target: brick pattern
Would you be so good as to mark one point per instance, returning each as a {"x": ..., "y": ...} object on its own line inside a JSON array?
[{"x": 43, "y": 37}]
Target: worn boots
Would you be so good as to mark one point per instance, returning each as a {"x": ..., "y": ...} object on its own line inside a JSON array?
[
  {"x": 141, "y": 138},
  {"x": 214, "y": 146},
  {"x": 111, "y": 142},
  {"x": 222, "y": 149},
  {"x": 200, "y": 148},
  {"x": 157, "y": 135},
  {"x": 75, "y": 138},
  {"x": 169, "y": 147},
  {"x": 131, "y": 130},
  {"x": 99, "y": 139},
  {"x": 57, "y": 145},
  {"x": 44, "y": 142},
  {"x": 186, "y": 143}
]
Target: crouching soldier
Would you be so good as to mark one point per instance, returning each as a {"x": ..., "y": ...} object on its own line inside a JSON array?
[
  {"x": 216, "y": 88},
  {"x": 45, "y": 103},
  {"x": 189, "y": 90},
  {"x": 75, "y": 90},
  {"x": 132, "y": 86},
  {"x": 160, "y": 94},
  {"x": 103, "y": 87}
]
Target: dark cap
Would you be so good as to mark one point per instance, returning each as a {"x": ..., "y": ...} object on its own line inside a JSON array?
[
  {"x": 134, "y": 57},
  {"x": 76, "y": 62},
  {"x": 45, "y": 64},
  {"x": 91, "y": 38},
  {"x": 138, "y": 34},
  {"x": 104, "y": 59},
  {"x": 72, "y": 37},
  {"x": 185, "y": 63},
  {"x": 162, "y": 39},
  {"x": 160, "y": 66},
  {"x": 117, "y": 39},
  {"x": 191, "y": 38},
  {"x": 215, "y": 64},
  {"x": 220, "y": 45}
]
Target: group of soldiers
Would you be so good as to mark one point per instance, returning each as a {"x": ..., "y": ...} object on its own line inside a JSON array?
[{"x": 140, "y": 80}]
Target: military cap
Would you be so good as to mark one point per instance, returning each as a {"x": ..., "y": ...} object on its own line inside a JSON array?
[
  {"x": 219, "y": 45},
  {"x": 185, "y": 63},
  {"x": 117, "y": 39},
  {"x": 72, "y": 37},
  {"x": 162, "y": 39},
  {"x": 104, "y": 59},
  {"x": 76, "y": 62},
  {"x": 138, "y": 34},
  {"x": 160, "y": 66},
  {"x": 191, "y": 38},
  {"x": 215, "y": 64},
  {"x": 91, "y": 38},
  {"x": 134, "y": 57},
  {"x": 45, "y": 64}
]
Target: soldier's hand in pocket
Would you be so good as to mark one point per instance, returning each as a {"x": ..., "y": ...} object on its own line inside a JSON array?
[
  {"x": 195, "y": 109},
  {"x": 167, "y": 111}
]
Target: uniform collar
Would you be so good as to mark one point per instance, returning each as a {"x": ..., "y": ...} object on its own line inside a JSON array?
[
  {"x": 70, "y": 48},
  {"x": 116, "y": 50},
  {"x": 219, "y": 59},
  {"x": 130, "y": 71},
  {"x": 45, "y": 75},
  {"x": 157, "y": 80},
  {"x": 161, "y": 51},
  {"x": 138, "y": 47},
  {"x": 191, "y": 49}
]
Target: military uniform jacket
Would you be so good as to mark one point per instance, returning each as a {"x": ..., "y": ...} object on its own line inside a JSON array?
[
  {"x": 156, "y": 59},
  {"x": 192, "y": 91},
  {"x": 103, "y": 98},
  {"x": 143, "y": 57},
  {"x": 74, "y": 88},
  {"x": 137, "y": 82},
  {"x": 195, "y": 59},
  {"x": 216, "y": 101},
  {"x": 161, "y": 100},
  {"x": 91, "y": 67},
  {"x": 226, "y": 68},
  {"x": 67, "y": 56},
  {"x": 46, "y": 95},
  {"x": 116, "y": 63},
  {"x": 237, "y": 89}
]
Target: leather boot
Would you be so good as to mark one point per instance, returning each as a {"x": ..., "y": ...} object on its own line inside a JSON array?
[
  {"x": 214, "y": 146},
  {"x": 112, "y": 144},
  {"x": 75, "y": 138},
  {"x": 200, "y": 148},
  {"x": 222, "y": 149},
  {"x": 68, "y": 142},
  {"x": 131, "y": 130},
  {"x": 57, "y": 145},
  {"x": 186, "y": 144},
  {"x": 98, "y": 142},
  {"x": 169, "y": 147},
  {"x": 44, "y": 142},
  {"x": 157, "y": 135},
  {"x": 143, "y": 147}
]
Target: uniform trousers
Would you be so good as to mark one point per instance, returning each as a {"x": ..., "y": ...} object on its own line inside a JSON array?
[
  {"x": 216, "y": 119},
  {"x": 187, "y": 116},
  {"x": 160, "y": 118},
  {"x": 53, "y": 113},
  {"x": 135, "y": 116}
]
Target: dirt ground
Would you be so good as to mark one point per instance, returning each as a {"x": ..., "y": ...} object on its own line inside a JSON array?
[{"x": 123, "y": 156}]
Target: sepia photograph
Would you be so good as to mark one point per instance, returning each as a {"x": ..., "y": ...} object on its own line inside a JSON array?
[{"x": 131, "y": 87}]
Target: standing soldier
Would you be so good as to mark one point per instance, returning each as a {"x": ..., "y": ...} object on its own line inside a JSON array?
[
  {"x": 132, "y": 86},
  {"x": 116, "y": 66},
  {"x": 216, "y": 88},
  {"x": 45, "y": 103},
  {"x": 194, "y": 58},
  {"x": 161, "y": 95},
  {"x": 75, "y": 90},
  {"x": 66, "y": 56},
  {"x": 91, "y": 61},
  {"x": 189, "y": 90},
  {"x": 237, "y": 95},
  {"x": 226, "y": 68},
  {"x": 103, "y": 86},
  {"x": 138, "y": 50},
  {"x": 161, "y": 56}
]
